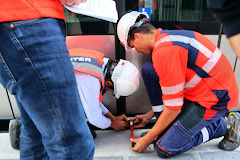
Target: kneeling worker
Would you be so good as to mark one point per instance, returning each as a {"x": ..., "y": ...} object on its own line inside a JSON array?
[
  {"x": 194, "y": 81},
  {"x": 95, "y": 74}
]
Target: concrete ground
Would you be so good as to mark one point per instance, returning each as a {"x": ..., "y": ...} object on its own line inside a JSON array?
[{"x": 115, "y": 145}]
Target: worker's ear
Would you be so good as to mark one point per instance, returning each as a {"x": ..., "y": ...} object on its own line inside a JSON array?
[
  {"x": 138, "y": 36},
  {"x": 108, "y": 86},
  {"x": 108, "y": 83}
]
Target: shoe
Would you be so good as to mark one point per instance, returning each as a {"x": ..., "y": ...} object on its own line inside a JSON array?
[
  {"x": 92, "y": 130},
  {"x": 143, "y": 133},
  {"x": 231, "y": 139}
]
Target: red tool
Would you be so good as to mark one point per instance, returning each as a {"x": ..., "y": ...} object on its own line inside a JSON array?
[{"x": 132, "y": 133}]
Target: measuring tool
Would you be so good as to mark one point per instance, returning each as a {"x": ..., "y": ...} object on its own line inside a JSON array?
[{"x": 132, "y": 133}]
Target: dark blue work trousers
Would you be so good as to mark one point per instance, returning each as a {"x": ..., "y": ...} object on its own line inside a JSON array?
[{"x": 190, "y": 128}]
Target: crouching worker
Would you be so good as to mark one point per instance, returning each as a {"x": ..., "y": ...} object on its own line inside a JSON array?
[
  {"x": 192, "y": 78},
  {"x": 95, "y": 74}
]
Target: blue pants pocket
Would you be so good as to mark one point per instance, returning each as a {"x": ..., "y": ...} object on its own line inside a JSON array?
[
  {"x": 6, "y": 77},
  {"x": 176, "y": 140}
]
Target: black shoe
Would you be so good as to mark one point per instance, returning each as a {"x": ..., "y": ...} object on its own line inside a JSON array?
[
  {"x": 143, "y": 133},
  {"x": 231, "y": 139},
  {"x": 93, "y": 132}
]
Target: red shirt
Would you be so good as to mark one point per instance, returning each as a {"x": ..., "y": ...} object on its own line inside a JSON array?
[
  {"x": 190, "y": 66},
  {"x": 14, "y": 10}
]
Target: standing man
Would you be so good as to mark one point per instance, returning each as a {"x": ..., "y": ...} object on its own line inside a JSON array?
[
  {"x": 35, "y": 67},
  {"x": 95, "y": 74},
  {"x": 227, "y": 12},
  {"x": 197, "y": 83}
]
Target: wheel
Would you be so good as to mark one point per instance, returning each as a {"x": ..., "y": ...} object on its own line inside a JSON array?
[{"x": 14, "y": 133}]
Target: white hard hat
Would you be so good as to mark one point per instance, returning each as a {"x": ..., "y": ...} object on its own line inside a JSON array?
[
  {"x": 124, "y": 25},
  {"x": 126, "y": 78}
]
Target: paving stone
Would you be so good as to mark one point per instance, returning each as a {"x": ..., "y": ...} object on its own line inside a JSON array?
[
  {"x": 109, "y": 158},
  {"x": 230, "y": 155},
  {"x": 185, "y": 156}
]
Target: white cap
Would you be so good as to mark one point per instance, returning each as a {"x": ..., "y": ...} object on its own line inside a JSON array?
[
  {"x": 124, "y": 25},
  {"x": 126, "y": 78}
]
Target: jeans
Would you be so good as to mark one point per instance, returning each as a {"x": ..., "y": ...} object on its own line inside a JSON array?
[
  {"x": 193, "y": 126},
  {"x": 35, "y": 68}
]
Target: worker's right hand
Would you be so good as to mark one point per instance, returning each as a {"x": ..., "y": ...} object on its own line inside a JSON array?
[
  {"x": 141, "y": 144},
  {"x": 72, "y": 2}
]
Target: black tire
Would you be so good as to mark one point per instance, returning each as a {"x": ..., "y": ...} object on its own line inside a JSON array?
[{"x": 14, "y": 133}]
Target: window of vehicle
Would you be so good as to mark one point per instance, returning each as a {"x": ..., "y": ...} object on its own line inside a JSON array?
[
  {"x": 84, "y": 25},
  {"x": 177, "y": 14}
]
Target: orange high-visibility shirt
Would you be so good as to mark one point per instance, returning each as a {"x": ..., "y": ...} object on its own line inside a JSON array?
[
  {"x": 90, "y": 62},
  {"x": 14, "y": 10},
  {"x": 190, "y": 66}
]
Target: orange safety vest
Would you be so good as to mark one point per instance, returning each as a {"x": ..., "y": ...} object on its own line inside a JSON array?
[
  {"x": 90, "y": 62},
  {"x": 15, "y": 10},
  {"x": 190, "y": 66}
]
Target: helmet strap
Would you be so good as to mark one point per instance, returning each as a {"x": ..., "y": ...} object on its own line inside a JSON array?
[{"x": 109, "y": 68}]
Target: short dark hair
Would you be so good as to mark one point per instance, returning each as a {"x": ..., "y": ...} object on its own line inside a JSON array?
[{"x": 145, "y": 28}]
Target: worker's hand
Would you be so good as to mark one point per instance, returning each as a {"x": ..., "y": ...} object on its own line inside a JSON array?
[
  {"x": 141, "y": 144},
  {"x": 141, "y": 120},
  {"x": 72, "y": 2},
  {"x": 122, "y": 117},
  {"x": 119, "y": 124}
]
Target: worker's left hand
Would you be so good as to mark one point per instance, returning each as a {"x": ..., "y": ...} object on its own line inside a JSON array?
[
  {"x": 140, "y": 121},
  {"x": 141, "y": 144}
]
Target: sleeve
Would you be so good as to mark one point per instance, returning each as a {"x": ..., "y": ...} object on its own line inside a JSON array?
[
  {"x": 89, "y": 90},
  {"x": 226, "y": 12},
  {"x": 104, "y": 109},
  {"x": 170, "y": 63}
]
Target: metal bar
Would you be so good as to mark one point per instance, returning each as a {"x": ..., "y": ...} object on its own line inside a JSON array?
[
  {"x": 219, "y": 45},
  {"x": 10, "y": 104},
  {"x": 120, "y": 54},
  {"x": 220, "y": 36},
  {"x": 235, "y": 64}
]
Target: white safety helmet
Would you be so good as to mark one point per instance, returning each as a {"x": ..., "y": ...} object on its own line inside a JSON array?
[
  {"x": 124, "y": 25},
  {"x": 126, "y": 78}
]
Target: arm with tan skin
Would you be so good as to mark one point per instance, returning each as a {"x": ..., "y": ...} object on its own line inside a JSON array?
[
  {"x": 117, "y": 122},
  {"x": 176, "y": 71},
  {"x": 227, "y": 13},
  {"x": 165, "y": 119},
  {"x": 235, "y": 44},
  {"x": 142, "y": 120},
  {"x": 72, "y": 2}
]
